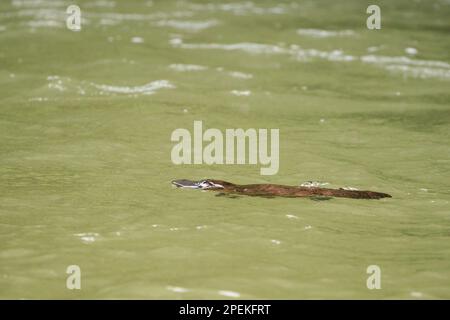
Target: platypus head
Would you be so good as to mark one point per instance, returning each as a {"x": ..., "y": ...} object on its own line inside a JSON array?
[{"x": 206, "y": 184}]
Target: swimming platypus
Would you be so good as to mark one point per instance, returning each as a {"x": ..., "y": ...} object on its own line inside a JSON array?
[{"x": 276, "y": 190}]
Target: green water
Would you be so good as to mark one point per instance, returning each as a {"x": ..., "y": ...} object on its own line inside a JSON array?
[{"x": 85, "y": 165}]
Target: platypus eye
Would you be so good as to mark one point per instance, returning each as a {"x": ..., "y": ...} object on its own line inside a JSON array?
[{"x": 206, "y": 184}]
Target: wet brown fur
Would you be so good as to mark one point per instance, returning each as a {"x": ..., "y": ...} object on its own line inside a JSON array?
[{"x": 277, "y": 190}]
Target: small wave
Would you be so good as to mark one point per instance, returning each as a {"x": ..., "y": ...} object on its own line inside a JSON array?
[
  {"x": 100, "y": 4},
  {"x": 148, "y": 88},
  {"x": 38, "y": 3},
  {"x": 137, "y": 16},
  {"x": 137, "y": 40},
  {"x": 411, "y": 67},
  {"x": 239, "y": 8},
  {"x": 187, "y": 25},
  {"x": 374, "y": 49},
  {"x": 241, "y": 92},
  {"x": 177, "y": 289},
  {"x": 307, "y": 54},
  {"x": 240, "y": 75},
  {"x": 407, "y": 65},
  {"x": 187, "y": 67},
  {"x": 227, "y": 293},
  {"x": 404, "y": 61},
  {"x": 411, "y": 51},
  {"x": 257, "y": 48},
  {"x": 416, "y": 294},
  {"x": 55, "y": 82},
  {"x": 65, "y": 84},
  {"x": 38, "y": 99},
  {"x": 45, "y": 24},
  {"x": 45, "y": 13},
  {"x": 420, "y": 72},
  {"x": 248, "y": 47},
  {"x": 318, "y": 33},
  {"x": 88, "y": 237},
  {"x": 108, "y": 22}
]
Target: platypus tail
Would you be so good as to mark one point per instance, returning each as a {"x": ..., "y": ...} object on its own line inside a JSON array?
[{"x": 357, "y": 194}]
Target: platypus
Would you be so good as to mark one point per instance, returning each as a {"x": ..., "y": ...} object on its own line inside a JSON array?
[{"x": 276, "y": 190}]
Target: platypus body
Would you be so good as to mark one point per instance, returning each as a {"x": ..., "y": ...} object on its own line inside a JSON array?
[{"x": 276, "y": 190}]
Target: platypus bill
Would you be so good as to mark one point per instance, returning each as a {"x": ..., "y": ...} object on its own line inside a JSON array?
[{"x": 276, "y": 190}]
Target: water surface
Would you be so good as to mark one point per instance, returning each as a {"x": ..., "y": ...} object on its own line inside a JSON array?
[{"x": 86, "y": 119}]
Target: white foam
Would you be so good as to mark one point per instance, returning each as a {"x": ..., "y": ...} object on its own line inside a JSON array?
[
  {"x": 43, "y": 13},
  {"x": 100, "y": 3},
  {"x": 401, "y": 60},
  {"x": 420, "y": 72},
  {"x": 241, "y": 92},
  {"x": 275, "y": 241},
  {"x": 121, "y": 17},
  {"x": 373, "y": 49},
  {"x": 149, "y": 88},
  {"x": 257, "y": 48},
  {"x": 177, "y": 289},
  {"x": 313, "y": 184},
  {"x": 318, "y": 33},
  {"x": 82, "y": 87},
  {"x": 239, "y": 8},
  {"x": 88, "y": 237},
  {"x": 187, "y": 25},
  {"x": 248, "y": 47},
  {"x": 240, "y": 75},
  {"x": 37, "y": 14},
  {"x": 126, "y": 16},
  {"x": 36, "y": 3},
  {"x": 137, "y": 40},
  {"x": 39, "y": 99},
  {"x": 108, "y": 22},
  {"x": 228, "y": 293},
  {"x": 334, "y": 55},
  {"x": 187, "y": 67},
  {"x": 55, "y": 82},
  {"x": 407, "y": 65},
  {"x": 411, "y": 51},
  {"x": 45, "y": 23},
  {"x": 291, "y": 216}
]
